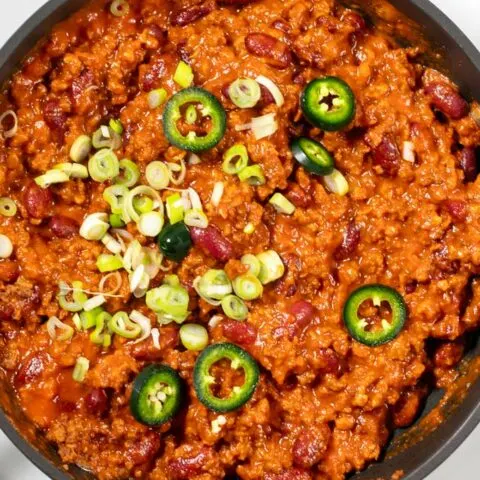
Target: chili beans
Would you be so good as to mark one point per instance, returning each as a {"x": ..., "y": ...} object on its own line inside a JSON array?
[
  {"x": 350, "y": 241},
  {"x": 457, "y": 209},
  {"x": 38, "y": 201},
  {"x": 55, "y": 117},
  {"x": 239, "y": 332},
  {"x": 311, "y": 445},
  {"x": 144, "y": 451},
  {"x": 303, "y": 312},
  {"x": 387, "y": 156},
  {"x": 63, "y": 227},
  {"x": 265, "y": 46},
  {"x": 191, "y": 14},
  {"x": 212, "y": 242},
  {"x": 186, "y": 467},
  {"x": 96, "y": 401},
  {"x": 446, "y": 99},
  {"x": 467, "y": 160}
]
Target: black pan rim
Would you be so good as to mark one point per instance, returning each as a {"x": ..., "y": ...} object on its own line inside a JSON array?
[{"x": 456, "y": 428}]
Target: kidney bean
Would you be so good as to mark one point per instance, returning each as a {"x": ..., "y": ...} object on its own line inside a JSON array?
[
  {"x": 350, "y": 241},
  {"x": 63, "y": 227},
  {"x": 38, "y": 201},
  {"x": 186, "y": 468},
  {"x": 457, "y": 209},
  {"x": 303, "y": 312},
  {"x": 144, "y": 450},
  {"x": 151, "y": 76},
  {"x": 298, "y": 196},
  {"x": 55, "y": 117},
  {"x": 467, "y": 160},
  {"x": 80, "y": 84},
  {"x": 191, "y": 14},
  {"x": 355, "y": 20},
  {"x": 212, "y": 242},
  {"x": 158, "y": 32},
  {"x": 290, "y": 474},
  {"x": 239, "y": 332},
  {"x": 407, "y": 408},
  {"x": 32, "y": 368},
  {"x": 448, "y": 354},
  {"x": 311, "y": 445},
  {"x": 281, "y": 25},
  {"x": 446, "y": 99},
  {"x": 387, "y": 155},
  {"x": 327, "y": 361},
  {"x": 96, "y": 401},
  {"x": 266, "y": 97},
  {"x": 265, "y": 46},
  {"x": 9, "y": 271}
]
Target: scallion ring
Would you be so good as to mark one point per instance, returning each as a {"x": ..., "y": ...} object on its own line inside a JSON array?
[
  {"x": 129, "y": 210},
  {"x": 95, "y": 226},
  {"x": 8, "y": 208},
  {"x": 9, "y": 132},
  {"x": 129, "y": 173},
  {"x": 115, "y": 197},
  {"x": 150, "y": 224},
  {"x": 213, "y": 286},
  {"x": 253, "y": 175},
  {"x": 193, "y": 337},
  {"x": 168, "y": 299},
  {"x": 54, "y": 325},
  {"x": 50, "y": 177},
  {"x": 103, "y": 165},
  {"x": 195, "y": 218},
  {"x": 105, "y": 137},
  {"x": 82, "y": 365},
  {"x": 101, "y": 335},
  {"x": 252, "y": 262},
  {"x": 78, "y": 297},
  {"x": 244, "y": 92},
  {"x": 116, "y": 220},
  {"x": 336, "y": 183},
  {"x": 73, "y": 170},
  {"x": 155, "y": 98},
  {"x": 282, "y": 204},
  {"x": 234, "y": 307},
  {"x": 271, "y": 266},
  {"x": 157, "y": 175},
  {"x": 175, "y": 208},
  {"x": 235, "y": 159},
  {"x": 183, "y": 74},
  {"x": 121, "y": 325},
  {"x": 80, "y": 148},
  {"x": 119, "y": 8},
  {"x": 109, "y": 263},
  {"x": 6, "y": 246},
  {"x": 116, "y": 126},
  {"x": 177, "y": 172},
  {"x": 247, "y": 287}
]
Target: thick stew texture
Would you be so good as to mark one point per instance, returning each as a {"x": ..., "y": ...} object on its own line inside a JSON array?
[{"x": 238, "y": 239}]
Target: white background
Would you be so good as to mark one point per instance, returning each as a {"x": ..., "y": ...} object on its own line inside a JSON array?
[{"x": 464, "y": 463}]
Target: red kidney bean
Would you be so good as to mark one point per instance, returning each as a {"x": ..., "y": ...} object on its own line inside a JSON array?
[
  {"x": 158, "y": 32},
  {"x": 355, "y": 20},
  {"x": 290, "y": 474},
  {"x": 186, "y": 468},
  {"x": 446, "y": 99},
  {"x": 281, "y": 25},
  {"x": 55, "y": 117},
  {"x": 467, "y": 160},
  {"x": 265, "y": 46},
  {"x": 298, "y": 196},
  {"x": 63, "y": 227},
  {"x": 351, "y": 239},
  {"x": 457, "y": 209},
  {"x": 38, "y": 201},
  {"x": 266, "y": 97},
  {"x": 311, "y": 445},
  {"x": 144, "y": 450},
  {"x": 191, "y": 14},
  {"x": 448, "y": 354},
  {"x": 212, "y": 242},
  {"x": 80, "y": 84},
  {"x": 9, "y": 271},
  {"x": 151, "y": 76},
  {"x": 303, "y": 312},
  {"x": 32, "y": 368},
  {"x": 239, "y": 332},
  {"x": 327, "y": 361},
  {"x": 407, "y": 408},
  {"x": 387, "y": 155},
  {"x": 96, "y": 401}
]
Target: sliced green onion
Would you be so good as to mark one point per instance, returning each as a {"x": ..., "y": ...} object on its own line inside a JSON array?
[
  {"x": 129, "y": 211},
  {"x": 171, "y": 280},
  {"x": 134, "y": 256},
  {"x": 77, "y": 322},
  {"x": 244, "y": 92},
  {"x": 143, "y": 204},
  {"x": 8, "y": 208},
  {"x": 282, "y": 204},
  {"x": 168, "y": 299},
  {"x": 150, "y": 224},
  {"x": 336, "y": 183},
  {"x": 78, "y": 297},
  {"x": 272, "y": 88},
  {"x": 11, "y": 132},
  {"x": 111, "y": 244},
  {"x": 183, "y": 75},
  {"x": 129, "y": 173},
  {"x": 95, "y": 226},
  {"x": 252, "y": 262},
  {"x": 157, "y": 175},
  {"x": 217, "y": 193},
  {"x": 73, "y": 170},
  {"x": 103, "y": 165},
  {"x": 116, "y": 126},
  {"x": 261, "y": 127},
  {"x": 139, "y": 281},
  {"x": 234, "y": 307},
  {"x": 176, "y": 172},
  {"x": 193, "y": 337},
  {"x": 144, "y": 322},
  {"x": 253, "y": 175},
  {"x": 166, "y": 318},
  {"x": 88, "y": 319},
  {"x": 105, "y": 137},
  {"x": 235, "y": 159},
  {"x": 191, "y": 114},
  {"x": 194, "y": 199},
  {"x": 115, "y": 197},
  {"x": 109, "y": 263},
  {"x": 155, "y": 98},
  {"x": 94, "y": 302},
  {"x": 213, "y": 286},
  {"x": 80, "y": 148},
  {"x": 196, "y": 218},
  {"x": 247, "y": 287},
  {"x": 119, "y": 8},
  {"x": 82, "y": 365},
  {"x": 50, "y": 177},
  {"x": 249, "y": 228},
  {"x": 121, "y": 324},
  {"x": 6, "y": 246},
  {"x": 54, "y": 324},
  {"x": 175, "y": 208},
  {"x": 105, "y": 279},
  {"x": 116, "y": 220},
  {"x": 271, "y": 266},
  {"x": 100, "y": 335}
]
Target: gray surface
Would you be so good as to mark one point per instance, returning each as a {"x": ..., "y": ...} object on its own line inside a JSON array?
[{"x": 465, "y": 462}]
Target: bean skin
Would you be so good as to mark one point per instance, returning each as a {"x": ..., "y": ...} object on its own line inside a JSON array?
[
  {"x": 55, "y": 117},
  {"x": 351, "y": 239},
  {"x": 212, "y": 242},
  {"x": 298, "y": 196},
  {"x": 303, "y": 312},
  {"x": 191, "y": 14},
  {"x": 30, "y": 370},
  {"x": 446, "y": 99},
  {"x": 80, "y": 84},
  {"x": 448, "y": 354},
  {"x": 387, "y": 155},
  {"x": 63, "y": 227},
  {"x": 239, "y": 332},
  {"x": 407, "y": 408},
  {"x": 265, "y": 46},
  {"x": 311, "y": 445},
  {"x": 457, "y": 209},
  {"x": 186, "y": 468},
  {"x": 38, "y": 201},
  {"x": 467, "y": 161},
  {"x": 96, "y": 401},
  {"x": 144, "y": 450}
]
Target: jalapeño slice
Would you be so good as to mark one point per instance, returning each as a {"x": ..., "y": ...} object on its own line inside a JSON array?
[
  {"x": 313, "y": 156},
  {"x": 360, "y": 328},
  {"x": 328, "y": 103},
  {"x": 203, "y": 379},
  {"x": 211, "y": 119},
  {"x": 156, "y": 395},
  {"x": 175, "y": 241}
]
